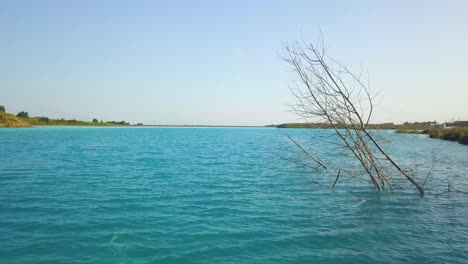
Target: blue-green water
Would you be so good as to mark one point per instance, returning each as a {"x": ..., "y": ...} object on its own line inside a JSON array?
[{"x": 196, "y": 195}]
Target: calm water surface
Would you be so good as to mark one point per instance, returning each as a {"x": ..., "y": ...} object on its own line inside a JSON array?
[{"x": 214, "y": 195}]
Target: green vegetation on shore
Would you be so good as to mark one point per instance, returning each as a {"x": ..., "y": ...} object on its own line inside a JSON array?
[
  {"x": 22, "y": 119},
  {"x": 459, "y": 134},
  {"x": 403, "y": 127},
  {"x": 9, "y": 120},
  {"x": 45, "y": 121},
  {"x": 404, "y": 131}
]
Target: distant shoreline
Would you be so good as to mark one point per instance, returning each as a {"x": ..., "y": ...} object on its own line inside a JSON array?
[
  {"x": 196, "y": 126},
  {"x": 22, "y": 120},
  {"x": 141, "y": 126},
  {"x": 148, "y": 126}
]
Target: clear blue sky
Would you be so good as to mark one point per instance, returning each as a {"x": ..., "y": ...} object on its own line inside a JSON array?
[{"x": 219, "y": 62}]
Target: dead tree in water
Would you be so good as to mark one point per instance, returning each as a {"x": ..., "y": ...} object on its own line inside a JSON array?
[{"x": 328, "y": 92}]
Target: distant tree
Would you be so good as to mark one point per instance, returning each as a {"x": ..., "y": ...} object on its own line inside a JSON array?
[
  {"x": 118, "y": 122},
  {"x": 23, "y": 114},
  {"x": 43, "y": 119},
  {"x": 2, "y": 109},
  {"x": 139, "y": 124},
  {"x": 95, "y": 120}
]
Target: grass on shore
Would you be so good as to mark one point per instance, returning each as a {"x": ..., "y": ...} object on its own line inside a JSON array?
[
  {"x": 404, "y": 131},
  {"x": 40, "y": 121},
  {"x": 9, "y": 120},
  {"x": 458, "y": 134}
]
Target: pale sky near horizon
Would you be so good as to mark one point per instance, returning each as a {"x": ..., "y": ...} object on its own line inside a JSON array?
[{"x": 219, "y": 62}]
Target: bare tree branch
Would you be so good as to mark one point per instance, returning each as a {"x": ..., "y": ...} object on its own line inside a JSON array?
[{"x": 327, "y": 90}]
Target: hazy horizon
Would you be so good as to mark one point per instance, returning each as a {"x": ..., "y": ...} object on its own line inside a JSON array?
[{"x": 212, "y": 63}]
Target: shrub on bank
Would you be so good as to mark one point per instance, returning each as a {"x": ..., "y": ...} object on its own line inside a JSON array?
[
  {"x": 453, "y": 134},
  {"x": 464, "y": 139},
  {"x": 434, "y": 133},
  {"x": 44, "y": 119}
]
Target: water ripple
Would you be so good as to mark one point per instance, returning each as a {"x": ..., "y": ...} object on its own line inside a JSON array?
[{"x": 92, "y": 195}]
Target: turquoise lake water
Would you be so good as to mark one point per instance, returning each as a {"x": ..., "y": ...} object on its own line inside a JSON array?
[{"x": 215, "y": 195}]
